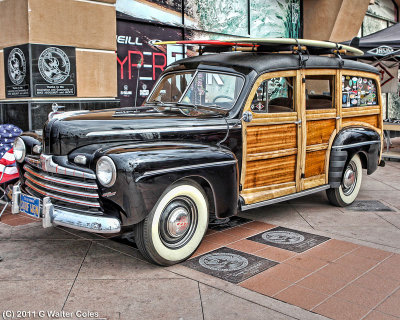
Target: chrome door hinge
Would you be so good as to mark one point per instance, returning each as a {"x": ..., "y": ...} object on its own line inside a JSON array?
[{"x": 298, "y": 122}]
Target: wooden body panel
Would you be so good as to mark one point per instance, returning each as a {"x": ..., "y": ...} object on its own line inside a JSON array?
[{"x": 281, "y": 156}]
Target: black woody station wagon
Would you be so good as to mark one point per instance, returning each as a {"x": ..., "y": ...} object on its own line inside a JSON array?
[{"x": 219, "y": 134}]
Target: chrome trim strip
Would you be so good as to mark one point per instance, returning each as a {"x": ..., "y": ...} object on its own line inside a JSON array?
[
  {"x": 98, "y": 224},
  {"x": 35, "y": 162},
  {"x": 284, "y": 198},
  {"x": 155, "y": 130},
  {"x": 61, "y": 190},
  {"x": 61, "y": 180},
  {"x": 358, "y": 144},
  {"x": 52, "y": 195},
  {"x": 49, "y": 166},
  {"x": 195, "y": 166}
]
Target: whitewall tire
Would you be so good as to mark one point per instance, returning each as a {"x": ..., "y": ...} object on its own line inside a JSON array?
[
  {"x": 350, "y": 185},
  {"x": 175, "y": 227}
]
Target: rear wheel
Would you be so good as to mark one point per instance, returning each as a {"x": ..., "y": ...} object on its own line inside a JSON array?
[
  {"x": 175, "y": 227},
  {"x": 350, "y": 185}
]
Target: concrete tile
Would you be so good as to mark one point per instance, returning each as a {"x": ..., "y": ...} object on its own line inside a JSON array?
[
  {"x": 393, "y": 218},
  {"x": 205, "y": 246},
  {"x": 31, "y": 295},
  {"x": 376, "y": 315},
  {"x": 247, "y": 246},
  {"x": 219, "y": 305},
  {"x": 31, "y": 260},
  {"x": 259, "y": 226},
  {"x": 361, "y": 296},
  {"x": 104, "y": 263},
  {"x": 306, "y": 262},
  {"x": 275, "y": 254},
  {"x": 288, "y": 273},
  {"x": 320, "y": 283},
  {"x": 37, "y": 232},
  {"x": 265, "y": 284},
  {"x": 377, "y": 282},
  {"x": 5, "y": 231},
  {"x": 341, "y": 310},
  {"x": 222, "y": 238},
  {"x": 340, "y": 271},
  {"x": 370, "y": 183},
  {"x": 138, "y": 299},
  {"x": 240, "y": 232},
  {"x": 391, "y": 305},
  {"x": 354, "y": 261},
  {"x": 389, "y": 268},
  {"x": 371, "y": 253},
  {"x": 301, "y": 297}
]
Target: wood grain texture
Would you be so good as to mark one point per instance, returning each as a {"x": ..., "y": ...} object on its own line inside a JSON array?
[
  {"x": 277, "y": 191},
  {"x": 271, "y": 154},
  {"x": 315, "y": 163},
  {"x": 372, "y": 120},
  {"x": 271, "y": 138},
  {"x": 319, "y": 131},
  {"x": 314, "y": 181},
  {"x": 272, "y": 171}
]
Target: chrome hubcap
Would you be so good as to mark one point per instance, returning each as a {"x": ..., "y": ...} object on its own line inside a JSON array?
[
  {"x": 178, "y": 222},
  {"x": 349, "y": 181}
]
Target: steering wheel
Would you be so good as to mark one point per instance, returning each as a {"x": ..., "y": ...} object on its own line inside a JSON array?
[{"x": 222, "y": 97}]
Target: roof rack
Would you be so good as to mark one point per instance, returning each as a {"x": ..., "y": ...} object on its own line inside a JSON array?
[{"x": 289, "y": 45}]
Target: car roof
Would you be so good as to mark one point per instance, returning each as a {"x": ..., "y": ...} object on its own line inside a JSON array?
[{"x": 245, "y": 62}]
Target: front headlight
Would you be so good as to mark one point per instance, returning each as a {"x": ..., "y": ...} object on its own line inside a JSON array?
[
  {"x": 19, "y": 149},
  {"x": 106, "y": 171}
]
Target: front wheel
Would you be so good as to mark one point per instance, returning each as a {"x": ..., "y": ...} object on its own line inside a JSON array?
[
  {"x": 175, "y": 227},
  {"x": 350, "y": 185}
]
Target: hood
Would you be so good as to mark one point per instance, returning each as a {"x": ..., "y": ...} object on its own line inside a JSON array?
[{"x": 69, "y": 132}]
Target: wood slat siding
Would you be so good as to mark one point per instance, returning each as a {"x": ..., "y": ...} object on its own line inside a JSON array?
[
  {"x": 272, "y": 171},
  {"x": 271, "y": 138},
  {"x": 319, "y": 131},
  {"x": 372, "y": 120},
  {"x": 315, "y": 163}
]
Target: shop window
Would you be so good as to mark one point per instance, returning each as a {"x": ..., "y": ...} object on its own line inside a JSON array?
[
  {"x": 274, "y": 95},
  {"x": 320, "y": 91},
  {"x": 358, "y": 92}
]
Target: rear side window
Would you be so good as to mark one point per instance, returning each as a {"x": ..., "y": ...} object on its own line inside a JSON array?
[
  {"x": 320, "y": 92},
  {"x": 358, "y": 92},
  {"x": 274, "y": 96}
]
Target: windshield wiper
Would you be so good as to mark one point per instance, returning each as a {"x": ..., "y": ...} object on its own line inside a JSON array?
[{"x": 214, "y": 108}]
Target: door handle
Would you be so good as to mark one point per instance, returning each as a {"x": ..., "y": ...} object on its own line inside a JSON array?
[{"x": 298, "y": 122}]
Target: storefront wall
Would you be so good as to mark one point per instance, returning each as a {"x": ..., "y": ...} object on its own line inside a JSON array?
[{"x": 141, "y": 22}]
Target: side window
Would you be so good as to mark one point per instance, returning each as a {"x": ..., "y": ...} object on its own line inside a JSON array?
[
  {"x": 320, "y": 92},
  {"x": 274, "y": 95},
  {"x": 358, "y": 92}
]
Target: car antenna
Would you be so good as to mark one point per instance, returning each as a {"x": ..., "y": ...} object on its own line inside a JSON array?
[{"x": 139, "y": 65}]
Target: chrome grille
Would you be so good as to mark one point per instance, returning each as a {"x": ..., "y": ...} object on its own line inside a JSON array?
[{"x": 63, "y": 189}]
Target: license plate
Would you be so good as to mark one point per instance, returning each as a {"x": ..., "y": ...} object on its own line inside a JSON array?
[{"x": 30, "y": 205}]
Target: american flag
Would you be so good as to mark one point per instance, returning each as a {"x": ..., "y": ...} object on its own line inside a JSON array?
[{"x": 8, "y": 133}]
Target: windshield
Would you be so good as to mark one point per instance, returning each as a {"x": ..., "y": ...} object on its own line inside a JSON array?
[{"x": 206, "y": 89}]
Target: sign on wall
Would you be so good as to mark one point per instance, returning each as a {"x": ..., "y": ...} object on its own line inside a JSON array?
[
  {"x": 139, "y": 62},
  {"x": 35, "y": 70},
  {"x": 17, "y": 71}
]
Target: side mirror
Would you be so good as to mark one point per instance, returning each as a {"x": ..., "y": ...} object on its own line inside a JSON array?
[{"x": 247, "y": 116}]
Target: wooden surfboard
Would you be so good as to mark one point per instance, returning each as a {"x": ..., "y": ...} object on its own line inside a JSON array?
[{"x": 274, "y": 43}]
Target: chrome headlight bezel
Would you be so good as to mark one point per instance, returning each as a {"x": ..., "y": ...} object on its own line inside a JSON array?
[
  {"x": 106, "y": 161},
  {"x": 19, "y": 150}
]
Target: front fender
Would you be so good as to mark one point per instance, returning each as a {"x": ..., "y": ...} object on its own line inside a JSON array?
[
  {"x": 347, "y": 143},
  {"x": 146, "y": 170}
]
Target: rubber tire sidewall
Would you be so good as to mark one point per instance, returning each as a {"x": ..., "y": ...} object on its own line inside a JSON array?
[
  {"x": 154, "y": 247},
  {"x": 336, "y": 195}
]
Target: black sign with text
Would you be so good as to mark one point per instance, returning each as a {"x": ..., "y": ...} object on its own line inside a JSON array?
[
  {"x": 17, "y": 71},
  {"x": 53, "y": 71}
]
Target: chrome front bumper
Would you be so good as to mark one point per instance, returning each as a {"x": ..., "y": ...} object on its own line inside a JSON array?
[{"x": 52, "y": 216}]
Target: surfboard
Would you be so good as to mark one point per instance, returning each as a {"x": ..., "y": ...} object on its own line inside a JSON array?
[{"x": 275, "y": 44}]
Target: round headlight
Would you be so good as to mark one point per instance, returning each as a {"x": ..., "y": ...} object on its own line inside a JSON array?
[
  {"x": 19, "y": 149},
  {"x": 106, "y": 171}
]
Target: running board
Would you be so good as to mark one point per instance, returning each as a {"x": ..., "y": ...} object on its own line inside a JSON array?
[{"x": 284, "y": 198}]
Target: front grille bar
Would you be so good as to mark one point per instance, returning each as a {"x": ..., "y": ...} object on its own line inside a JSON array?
[
  {"x": 63, "y": 181},
  {"x": 62, "y": 198},
  {"x": 61, "y": 190}
]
